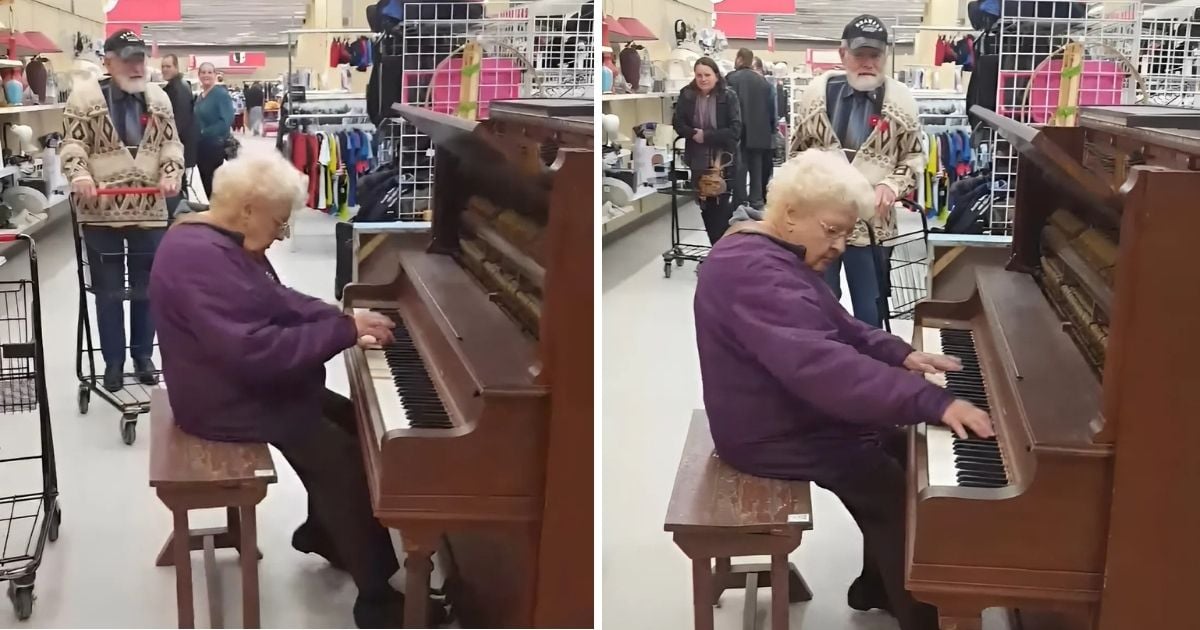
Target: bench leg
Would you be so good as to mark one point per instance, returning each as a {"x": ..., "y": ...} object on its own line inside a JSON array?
[
  {"x": 702, "y": 593},
  {"x": 798, "y": 590},
  {"x": 249, "y": 540},
  {"x": 779, "y": 592},
  {"x": 216, "y": 608},
  {"x": 223, "y": 538},
  {"x": 183, "y": 571},
  {"x": 721, "y": 577},
  {"x": 750, "y": 606}
]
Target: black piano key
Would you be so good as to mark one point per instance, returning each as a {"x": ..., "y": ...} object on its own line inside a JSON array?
[{"x": 418, "y": 395}]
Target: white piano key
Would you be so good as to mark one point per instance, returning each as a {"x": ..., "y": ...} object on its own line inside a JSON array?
[
  {"x": 391, "y": 409},
  {"x": 939, "y": 453}
]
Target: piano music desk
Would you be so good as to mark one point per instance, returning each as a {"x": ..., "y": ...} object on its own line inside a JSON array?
[
  {"x": 718, "y": 512},
  {"x": 190, "y": 473}
]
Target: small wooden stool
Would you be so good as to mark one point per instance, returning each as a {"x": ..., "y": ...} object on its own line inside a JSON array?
[
  {"x": 718, "y": 512},
  {"x": 190, "y": 473}
]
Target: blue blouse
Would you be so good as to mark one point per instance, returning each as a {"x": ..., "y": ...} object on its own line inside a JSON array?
[{"x": 214, "y": 114}]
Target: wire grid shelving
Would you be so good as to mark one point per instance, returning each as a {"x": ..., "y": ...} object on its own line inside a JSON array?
[{"x": 540, "y": 49}]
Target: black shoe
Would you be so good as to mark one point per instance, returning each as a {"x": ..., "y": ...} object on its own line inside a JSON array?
[
  {"x": 387, "y": 611},
  {"x": 309, "y": 538},
  {"x": 145, "y": 371},
  {"x": 866, "y": 594},
  {"x": 114, "y": 377}
]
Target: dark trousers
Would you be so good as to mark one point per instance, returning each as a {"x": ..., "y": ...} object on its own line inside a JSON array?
[
  {"x": 874, "y": 494},
  {"x": 108, "y": 249},
  {"x": 754, "y": 162},
  {"x": 209, "y": 157},
  {"x": 327, "y": 458},
  {"x": 863, "y": 266}
]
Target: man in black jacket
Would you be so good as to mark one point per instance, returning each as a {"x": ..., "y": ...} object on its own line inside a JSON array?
[
  {"x": 255, "y": 101},
  {"x": 754, "y": 95},
  {"x": 182, "y": 101}
]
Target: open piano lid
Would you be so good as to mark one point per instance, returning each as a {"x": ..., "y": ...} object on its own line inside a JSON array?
[{"x": 1057, "y": 164}]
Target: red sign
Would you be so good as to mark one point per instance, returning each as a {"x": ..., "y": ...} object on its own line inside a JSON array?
[
  {"x": 757, "y": 7},
  {"x": 247, "y": 60},
  {"x": 738, "y": 25},
  {"x": 143, "y": 11}
]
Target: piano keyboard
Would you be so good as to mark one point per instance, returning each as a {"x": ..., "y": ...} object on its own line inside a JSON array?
[
  {"x": 407, "y": 396},
  {"x": 974, "y": 462}
]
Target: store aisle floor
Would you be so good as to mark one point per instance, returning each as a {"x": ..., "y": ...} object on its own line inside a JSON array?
[
  {"x": 651, "y": 385},
  {"x": 101, "y": 572}
]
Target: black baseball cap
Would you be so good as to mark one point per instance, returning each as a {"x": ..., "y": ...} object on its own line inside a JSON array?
[
  {"x": 126, "y": 44},
  {"x": 865, "y": 31}
]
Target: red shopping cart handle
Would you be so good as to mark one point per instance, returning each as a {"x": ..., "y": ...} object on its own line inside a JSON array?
[{"x": 109, "y": 192}]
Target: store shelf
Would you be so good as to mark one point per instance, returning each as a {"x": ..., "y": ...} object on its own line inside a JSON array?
[
  {"x": 633, "y": 97},
  {"x": 26, "y": 109},
  {"x": 938, "y": 94}
]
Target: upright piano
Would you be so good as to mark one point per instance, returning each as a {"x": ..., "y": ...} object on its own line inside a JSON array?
[
  {"x": 1085, "y": 350},
  {"x": 476, "y": 424}
]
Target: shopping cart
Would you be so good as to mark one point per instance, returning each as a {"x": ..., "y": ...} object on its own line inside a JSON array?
[
  {"x": 681, "y": 251},
  {"x": 902, "y": 269},
  {"x": 133, "y": 398},
  {"x": 27, "y": 519}
]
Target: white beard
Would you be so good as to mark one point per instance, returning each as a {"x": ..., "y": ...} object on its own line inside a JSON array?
[
  {"x": 130, "y": 86},
  {"x": 864, "y": 83}
]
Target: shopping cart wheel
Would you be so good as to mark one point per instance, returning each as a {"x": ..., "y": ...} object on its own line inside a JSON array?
[
  {"x": 22, "y": 600},
  {"x": 129, "y": 429},
  {"x": 55, "y": 521},
  {"x": 85, "y": 397},
  {"x": 678, "y": 262},
  {"x": 667, "y": 269}
]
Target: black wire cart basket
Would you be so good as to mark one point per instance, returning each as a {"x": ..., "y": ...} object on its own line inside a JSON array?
[
  {"x": 132, "y": 398},
  {"x": 681, "y": 183},
  {"x": 29, "y": 515},
  {"x": 902, "y": 269}
]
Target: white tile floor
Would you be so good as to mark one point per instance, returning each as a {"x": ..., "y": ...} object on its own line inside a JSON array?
[
  {"x": 101, "y": 572},
  {"x": 651, "y": 385}
]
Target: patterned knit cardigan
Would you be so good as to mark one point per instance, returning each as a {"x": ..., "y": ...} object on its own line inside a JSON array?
[
  {"x": 891, "y": 155},
  {"x": 92, "y": 149}
]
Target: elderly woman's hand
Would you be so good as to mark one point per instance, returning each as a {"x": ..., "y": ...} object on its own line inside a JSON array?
[
  {"x": 376, "y": 326},
  {"x": 927, "y": 363},
  {"x": 962, "y": 416}
]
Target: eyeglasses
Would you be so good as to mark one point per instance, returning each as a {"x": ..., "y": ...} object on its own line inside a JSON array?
[{"x": 834, "y": 234}]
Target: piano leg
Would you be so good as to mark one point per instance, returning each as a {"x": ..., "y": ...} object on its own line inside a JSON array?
[{"x": 418, "y": 565}]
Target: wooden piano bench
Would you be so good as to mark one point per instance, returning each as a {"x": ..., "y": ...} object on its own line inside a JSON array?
[
  {"x": 719, "y": 513},
  {"x": 190, "y": 473}
]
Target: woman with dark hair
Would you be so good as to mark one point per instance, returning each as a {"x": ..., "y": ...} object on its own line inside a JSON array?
[{"x": 709, "y": 116}]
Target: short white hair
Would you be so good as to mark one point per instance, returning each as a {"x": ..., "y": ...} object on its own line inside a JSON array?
[
  {"x": 261, "y": 179},
  {"x": 818, "y": 178}
]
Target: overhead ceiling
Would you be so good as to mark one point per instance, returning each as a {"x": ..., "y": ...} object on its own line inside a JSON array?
[
  {"x": 234, "y": 23},
  {"x": 824, "y": 19}
]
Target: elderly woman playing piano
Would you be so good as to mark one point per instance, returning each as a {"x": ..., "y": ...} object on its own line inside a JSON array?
[
  {"x": 796, "y": 388},
  {"x": 244, "y": 356}
]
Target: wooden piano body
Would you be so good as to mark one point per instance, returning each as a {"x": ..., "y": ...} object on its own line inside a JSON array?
[
  {"x": 496, "y": 306},
  {"x": 1089, "y": 350}
]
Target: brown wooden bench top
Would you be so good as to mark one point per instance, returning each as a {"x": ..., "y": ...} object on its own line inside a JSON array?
[
  {"x": 179, "y": 460},
  {"x": 710, "y": 494}
]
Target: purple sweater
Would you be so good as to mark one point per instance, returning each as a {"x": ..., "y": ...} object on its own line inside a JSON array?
[
  {"x": 795, "y": 387},
  {"x": 243, "y": 356}
]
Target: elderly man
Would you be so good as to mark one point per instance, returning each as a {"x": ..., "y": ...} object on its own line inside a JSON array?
[
  {"x": 120, "y": 133},
  {"x": 245, "y": 356},
  {"x": 795, "y": 388},
  {"x": 873, "y": 120},
  {"x": 182, "y": 102}
]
